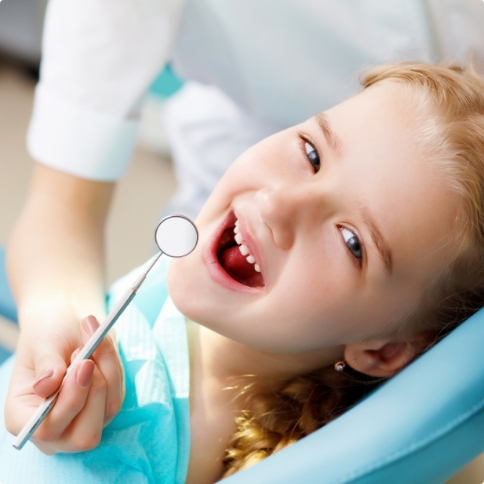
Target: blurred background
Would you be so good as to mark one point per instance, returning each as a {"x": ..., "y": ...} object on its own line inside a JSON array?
[{"x": 140, "y": 195}]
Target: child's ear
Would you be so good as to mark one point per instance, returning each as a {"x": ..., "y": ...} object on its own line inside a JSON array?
[{"x": 383, "y": 358}]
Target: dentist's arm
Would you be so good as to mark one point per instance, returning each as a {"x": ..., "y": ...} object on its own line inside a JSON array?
[
  {"x": 98, "y": 59},
  {"x": 55, "y": 265}
]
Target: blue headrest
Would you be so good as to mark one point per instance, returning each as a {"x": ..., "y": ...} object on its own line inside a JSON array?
[{"x": 422, "y": 426}]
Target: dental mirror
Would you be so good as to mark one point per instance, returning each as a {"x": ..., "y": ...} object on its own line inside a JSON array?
[{"x": 176, "y": 236}]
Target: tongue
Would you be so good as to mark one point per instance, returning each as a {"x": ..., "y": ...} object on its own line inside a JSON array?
[{"x": 237, "y": 267}]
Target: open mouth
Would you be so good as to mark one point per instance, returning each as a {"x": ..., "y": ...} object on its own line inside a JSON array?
[{"x": 235, "y": 257}]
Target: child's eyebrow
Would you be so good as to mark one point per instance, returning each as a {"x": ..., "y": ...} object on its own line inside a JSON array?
[
  {"x": 379, "y": 241},
  {"x": 329, "y": 134}
]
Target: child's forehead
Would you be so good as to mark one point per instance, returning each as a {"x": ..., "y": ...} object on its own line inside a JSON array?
[
  {"x": 388, "y": 93},
  {"x": 383, "y": 112}
]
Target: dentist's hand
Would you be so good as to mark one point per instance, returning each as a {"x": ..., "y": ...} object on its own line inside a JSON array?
[
  {"x": 55, "y": 261},
  {"x": 90, "y": 398}
]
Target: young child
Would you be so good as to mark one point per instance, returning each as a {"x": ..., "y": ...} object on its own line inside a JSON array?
[{"x": 350, "y": 242}]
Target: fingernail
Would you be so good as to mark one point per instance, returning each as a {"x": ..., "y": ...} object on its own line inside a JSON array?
[
  {"x": 90, "y": 324},
  {"x": 46, "y": 374},
  {"x": 84, "y": 373}
]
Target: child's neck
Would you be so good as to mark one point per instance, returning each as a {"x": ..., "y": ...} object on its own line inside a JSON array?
[
  {"x": 225, "y": 359},
  {"x": 223, "y": 374}
]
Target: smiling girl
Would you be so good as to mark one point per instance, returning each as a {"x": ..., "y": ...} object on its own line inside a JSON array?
[{"x": 354, "y": 238}]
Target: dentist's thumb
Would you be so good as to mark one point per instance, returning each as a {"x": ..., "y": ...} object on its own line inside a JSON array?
[{"x": 50, "y": 368}]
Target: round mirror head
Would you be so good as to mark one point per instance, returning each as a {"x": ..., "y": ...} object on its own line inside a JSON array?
[{"x": 176, "y": 236}]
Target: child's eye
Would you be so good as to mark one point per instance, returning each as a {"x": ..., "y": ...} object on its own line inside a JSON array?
[
  {"x": 353, "y": 243},
  {"x": 312, "y": 155}
]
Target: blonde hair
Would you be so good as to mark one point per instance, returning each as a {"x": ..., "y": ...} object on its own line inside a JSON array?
[{"x": 450, "y": 110}]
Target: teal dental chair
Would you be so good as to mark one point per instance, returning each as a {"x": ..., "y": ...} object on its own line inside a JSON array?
[{"x": 421, "y": 427}]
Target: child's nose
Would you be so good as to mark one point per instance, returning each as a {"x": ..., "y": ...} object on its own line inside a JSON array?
[{"x": 287, "y": 209}]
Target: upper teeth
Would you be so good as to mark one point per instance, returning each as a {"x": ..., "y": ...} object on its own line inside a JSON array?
[{"x": 244, "y": 250}]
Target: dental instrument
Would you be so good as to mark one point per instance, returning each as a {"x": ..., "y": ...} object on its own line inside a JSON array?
[{"x": 176, "y": 236}]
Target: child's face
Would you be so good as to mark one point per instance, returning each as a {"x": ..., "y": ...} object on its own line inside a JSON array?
[{"x": 345, "y": 249}]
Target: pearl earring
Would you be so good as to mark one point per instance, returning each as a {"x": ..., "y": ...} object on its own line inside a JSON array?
[{"x": 340, "y": 365}]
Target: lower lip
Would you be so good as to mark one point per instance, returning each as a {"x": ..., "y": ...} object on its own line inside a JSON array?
[{"x": 215, "y": 270}]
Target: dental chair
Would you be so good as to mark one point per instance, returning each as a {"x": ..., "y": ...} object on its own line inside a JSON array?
[{"x": 421, "y": 427}]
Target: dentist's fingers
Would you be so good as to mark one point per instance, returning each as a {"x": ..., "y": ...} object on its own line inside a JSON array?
[
  {"x": 107, "y": 360},
  {"x": 39, "y": 369},
  {"x": 50, "y": 365},
  {"x": 90, "y": 397},
  {"x": 70, "y": 402},
  {"x": 85, "y": 431}
]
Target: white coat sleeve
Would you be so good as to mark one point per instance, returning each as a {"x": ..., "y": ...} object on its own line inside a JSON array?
[{"x": 98, "y": 59}]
